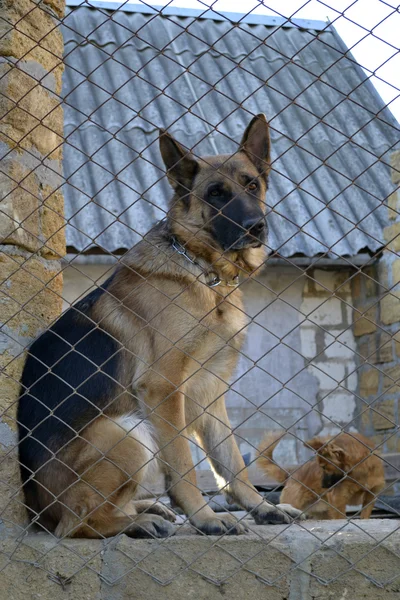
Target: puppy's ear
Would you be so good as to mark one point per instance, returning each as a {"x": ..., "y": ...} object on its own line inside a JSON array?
[
  {"x": 256, "y": 144},
  {"x": 180, "y": 163},
  {"x": 315, "y": 443}
]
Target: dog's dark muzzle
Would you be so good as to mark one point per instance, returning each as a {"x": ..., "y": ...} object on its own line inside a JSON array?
[
  {"x": 253, "y": 233},
  {"x": 238, "y": 227}
]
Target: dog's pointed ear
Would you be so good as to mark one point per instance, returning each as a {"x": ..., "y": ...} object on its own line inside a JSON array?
[
  {"x": 316, "y": 443},
  {"x": 256, "y": 144},
  {"x": 180, "y": 163}
]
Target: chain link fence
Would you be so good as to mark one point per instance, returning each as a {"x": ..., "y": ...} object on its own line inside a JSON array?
[{"x": 115, "y": 417}]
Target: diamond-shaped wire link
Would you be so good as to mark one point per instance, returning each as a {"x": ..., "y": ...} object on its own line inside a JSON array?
[{"x": 322, "y": 353}]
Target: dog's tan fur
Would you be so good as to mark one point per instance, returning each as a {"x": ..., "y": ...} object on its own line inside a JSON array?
[
  {"x": 179, "y": 346},
  {"x": 347, "y": 456}
]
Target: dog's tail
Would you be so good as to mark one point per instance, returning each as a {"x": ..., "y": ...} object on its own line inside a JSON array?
[{"x": 265, "y": 460}]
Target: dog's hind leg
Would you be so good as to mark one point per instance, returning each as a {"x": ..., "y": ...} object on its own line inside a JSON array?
[
  {"x": 111, "y": 465},
  {"x": 369, "y": 501}
]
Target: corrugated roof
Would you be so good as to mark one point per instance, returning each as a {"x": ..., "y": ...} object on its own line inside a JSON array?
[{"x": 129, "y": 73}]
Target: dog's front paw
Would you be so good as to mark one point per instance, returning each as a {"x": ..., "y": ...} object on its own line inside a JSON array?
[
  {"x": 293, "y": 512},
  {"x": 219, "y": 525},
  {"x": 267, "y": 513}
]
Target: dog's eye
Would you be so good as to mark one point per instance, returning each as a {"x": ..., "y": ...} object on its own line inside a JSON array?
[
  {"x": 252, "y": 186},
  {"x": 215, "y": 193}
]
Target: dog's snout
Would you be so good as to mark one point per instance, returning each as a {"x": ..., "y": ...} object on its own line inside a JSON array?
[{"x": 255, "y": 225}]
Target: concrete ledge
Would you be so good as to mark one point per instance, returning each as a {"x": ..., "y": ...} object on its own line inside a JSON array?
[{"x": 316, "y": 560}]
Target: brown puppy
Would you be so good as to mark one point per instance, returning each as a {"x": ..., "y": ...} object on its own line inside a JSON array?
[
  {"x": 126, "y": 375},
  {"x": 345, "y": 471}
]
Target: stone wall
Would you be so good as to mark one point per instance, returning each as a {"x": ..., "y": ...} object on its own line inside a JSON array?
[
  {"x": 32, "y": 213},
  {"x": 376, "y": 299}
]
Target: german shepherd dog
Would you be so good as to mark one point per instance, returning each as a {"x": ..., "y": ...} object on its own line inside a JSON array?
[
  {"x": 345, "y": 470},
  {"x": 127, "y": 374}
]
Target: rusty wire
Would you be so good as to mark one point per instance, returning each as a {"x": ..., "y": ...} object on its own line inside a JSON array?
[{"x": 143, "y": 195}]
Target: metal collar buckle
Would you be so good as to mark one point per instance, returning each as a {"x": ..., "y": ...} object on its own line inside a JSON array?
[{"x": 216, "y": 280}]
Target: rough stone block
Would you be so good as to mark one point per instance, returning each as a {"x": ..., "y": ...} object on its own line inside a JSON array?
[
  {"x": 393, "y": 443},
  {"x": 390, "y": 308},
  {"x": 199, "y": 567},
  {"x": 313, "y": 560},
  {"x": 343, "y": 282},
  {"x": 385, "y": 353},
  {"x": 379, "y": 440},
  {"x": 369, "y": 381},
  {"x": 368, "y": 348},
  {"x": 53, "y": 224},
  {"x": 12, "y": 509},
  {"x": 373, "y": 576},
  {"x": 392, "y": 377},
  {"x": 396, "y": 272},
  {"x": 45, "y": 569},
  {"x": 29, "y": 32},
  {"x": 383, "y": 415},
  {"x": 327, "y": 283},
  {"x": 356, "y": 288},
  {"x": 371, "y": 283},
  {"x": 31, "y": 215},
  {"x": 323, "y": 281},
  {"x": 30, "y": 292},
  {"x": 366, "y": 323},
  {"x": 20, "y": 207},
  {"x": 32, "y": 117},
  {"x": 10, "y": 374},
  {"x": 392, "y": 236},
  {"x": 395, "y": 163},
  {"x": 365, "y": 420},
  {"x": 383, "y": 274},
  {"x": 393, "y": 206}
]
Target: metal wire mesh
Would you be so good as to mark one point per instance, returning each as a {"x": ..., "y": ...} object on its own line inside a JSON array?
[{"x": 321, "y": 356}]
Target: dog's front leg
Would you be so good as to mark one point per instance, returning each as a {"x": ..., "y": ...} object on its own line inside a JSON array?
[
  {"x": 214, "y": 434},
  {"x": 168, "y": 417}
]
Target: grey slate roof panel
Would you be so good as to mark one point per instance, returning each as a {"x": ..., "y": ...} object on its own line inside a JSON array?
[{"x": 128, "y": 75}]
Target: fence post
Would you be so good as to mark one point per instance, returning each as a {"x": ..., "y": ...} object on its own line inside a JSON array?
[{"x": 31, "y": 207}]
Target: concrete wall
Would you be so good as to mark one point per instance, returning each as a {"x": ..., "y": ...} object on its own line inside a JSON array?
[
  {"x": 331, "y": 560},
  {"x": 32, "y": 213}
]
